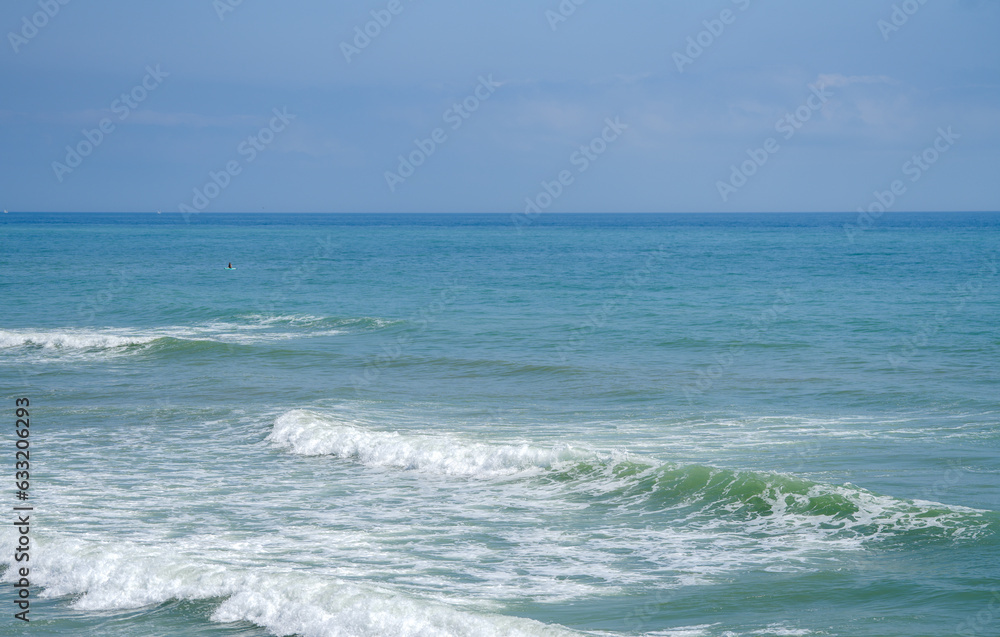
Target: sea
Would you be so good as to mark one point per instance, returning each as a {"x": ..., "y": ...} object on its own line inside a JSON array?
[{"x": 465, "y": 425}]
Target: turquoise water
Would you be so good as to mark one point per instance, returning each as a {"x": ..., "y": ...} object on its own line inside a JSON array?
[{"x": 674, "y": 425}]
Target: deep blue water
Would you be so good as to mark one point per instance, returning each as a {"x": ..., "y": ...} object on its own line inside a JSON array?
[{"x": 387, "y": 425}]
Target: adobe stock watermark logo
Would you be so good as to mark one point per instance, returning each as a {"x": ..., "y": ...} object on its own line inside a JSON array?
[
  {"x": 250, "y": 148},
  {"x": 582, "y": 159},
  {"x": 30, "y": 27},
  {"x": 901, "y": 14},
  {"x": 788, "y": 126},
  {"x": 454, "y": 116},
  {"x": 703, "y": 40},
  {"x": 982, "y": 622},
  {"x": 270, "y": 299},
  {"x": 637, "y": 620},
  {"x": 914, "y": 168},
  {"x": 224, "y": 7},
  {"x": 960, "y": 297},
  {"x": 95, "y": 303},
  {"x": 122, "y": 107},
  {"x": 752, "y": 334},
  {"x": 393, "y": 350},
  {"x": 563, "y": 12},
  {"x": 619, "y": 298},
  {"x": 951, "y": 477},
  {"x": 365, "y": 34}
]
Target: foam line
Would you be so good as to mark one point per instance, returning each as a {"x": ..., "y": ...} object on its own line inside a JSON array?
[{"x": 311, "y": 434}]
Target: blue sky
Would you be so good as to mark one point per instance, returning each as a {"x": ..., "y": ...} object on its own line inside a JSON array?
[{"x": 215, "y": 75}]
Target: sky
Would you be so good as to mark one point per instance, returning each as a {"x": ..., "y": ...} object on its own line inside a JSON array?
[{"x": 507, "y": 106}]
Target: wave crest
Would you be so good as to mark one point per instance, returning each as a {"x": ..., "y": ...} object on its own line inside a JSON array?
[
  {"x": 310, "y": 434},
  {"x": 70, "y": 339},
  {"x": 750, "y": 501},
  {"x": 247, "y": 329}
]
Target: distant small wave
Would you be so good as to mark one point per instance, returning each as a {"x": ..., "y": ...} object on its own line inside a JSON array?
[
  {"x": 240, "y": 330},
  {"x": 71, "y": 339},
  {"x": 308, "y": 321}
]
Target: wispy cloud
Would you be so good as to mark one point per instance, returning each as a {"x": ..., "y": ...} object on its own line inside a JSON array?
[
  {"x": 145, "y": 117},
  {"x": 838, "y": 80},
  {"x": 193, "y": 120}
]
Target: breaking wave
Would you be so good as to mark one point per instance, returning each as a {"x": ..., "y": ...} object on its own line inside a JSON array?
[
  {"x": 759, "y": 502},
  {"x": 246, "y": 329}
]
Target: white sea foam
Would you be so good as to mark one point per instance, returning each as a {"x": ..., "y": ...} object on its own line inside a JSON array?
[
  {"x": 790, "y": 503},
  {"x": 80, "y": 342},
  {"x": 308, "y": 320},
  {"x": 781, "y": 630},
  {"x": 733, "y": 520},
  {"x": 270, "y": 319},
  {"x": 684, "y": 631},
  {"x": 312, "y": 434},
  {"x": 704, "y": 630},
  {"x": 72, "y": 339},
  {"x": 103, "y": 576},
  {"x": 316, "y": 609},
  {"x": 453, "y": 550}
]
